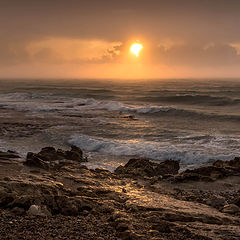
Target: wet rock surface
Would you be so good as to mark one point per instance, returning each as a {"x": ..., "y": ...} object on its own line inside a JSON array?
[{"x": 70, "y": 201}]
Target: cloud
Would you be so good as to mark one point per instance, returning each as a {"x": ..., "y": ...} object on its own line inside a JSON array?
[
  {"x": 59, "y": 50},
  {"x": 55, "y": 50},
  {"x": 190, "y": 54},
  {"x": 236, "y": 46}
]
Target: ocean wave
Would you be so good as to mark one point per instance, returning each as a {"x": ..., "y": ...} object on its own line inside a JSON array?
[
  {"x": 194, "y": 99},
  {"x": 153, "y": 110},
  {"x": 188, "y": 154},
  {"x": 51, "y": 103}
]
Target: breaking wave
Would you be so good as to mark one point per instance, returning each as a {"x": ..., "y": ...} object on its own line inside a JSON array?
[
  {"x": 188, "y": 154},
  {"x": 50, "y": 103}
]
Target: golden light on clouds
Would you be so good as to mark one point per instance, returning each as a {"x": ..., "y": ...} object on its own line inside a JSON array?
[
  {"x": 136, "y": 48},
  {"x": 72, "y": 50}
]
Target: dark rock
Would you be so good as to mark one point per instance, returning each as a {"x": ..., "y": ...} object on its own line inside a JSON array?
[
  {"x": 18, "y": 211},
  {"x": 219, "y": 170},
  {"x": 6, "y": 198},
  {"x": 50, "y": 157},
  {"x": 8, "y": 155},
  {"x": 168, "y": 167},
  {"x": 127, "y": 235},
  {"x": 235, "y": 163},
  {"x": 237, "y": 201},
  {"x": 75, "y": 156},
  {"x": 216, "y": 201},
  {"x": 146, "y": 168},
  {"x": 34, "y": 161},
  {"x": 162, "y": 226},
  {"x": 121, "y": 227},
  {"x": 24, "y": 201},
  {"x": 7, "y": 179},
  {"x": 77, "y": 150},
  {"x": 231, "y": 209},
  {"x": 209, "y": 171}
]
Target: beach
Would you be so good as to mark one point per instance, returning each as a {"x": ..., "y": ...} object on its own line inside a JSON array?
[
  {"x": 131, "y": 161},
  {"x": 53, "y": 195}
]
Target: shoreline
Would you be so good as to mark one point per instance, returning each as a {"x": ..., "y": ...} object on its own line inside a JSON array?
[{"x": 52, "y": 195}]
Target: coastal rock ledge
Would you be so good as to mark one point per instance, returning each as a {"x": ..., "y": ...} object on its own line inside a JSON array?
[
  {"x": 49, "y": 157},
  {"x": 52, "y": 195}
]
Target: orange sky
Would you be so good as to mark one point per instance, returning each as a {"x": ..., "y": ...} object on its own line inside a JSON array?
[{"x": 75, "y": 39}]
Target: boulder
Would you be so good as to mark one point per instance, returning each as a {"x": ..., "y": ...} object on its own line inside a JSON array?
[
  {"x": 216, "y": 201},
  {"x": 36, "y": 210},
  {"x": 74, "y": 154},
  {"x": 231, "y": 209},
  {"x": 168, "y": 167},
  {"x": 34, "y": 161},
  {"x": 146, "y": 168},
  {"x": 50, "y": 157}
]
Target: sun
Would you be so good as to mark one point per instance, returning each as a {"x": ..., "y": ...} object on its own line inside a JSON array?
[{"x": 136, "y": 48}]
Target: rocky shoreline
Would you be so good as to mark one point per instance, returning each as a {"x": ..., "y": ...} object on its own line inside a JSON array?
[{"x": 52, "y": 195}]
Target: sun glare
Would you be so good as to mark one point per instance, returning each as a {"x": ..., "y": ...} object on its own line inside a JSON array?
[{"x": 136, "y": 48}]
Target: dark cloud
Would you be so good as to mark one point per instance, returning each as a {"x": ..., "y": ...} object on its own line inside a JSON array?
[{"x": 117, "y": 20}]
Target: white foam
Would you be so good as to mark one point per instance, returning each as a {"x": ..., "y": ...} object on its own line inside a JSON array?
[
  {"x": 48, "y": 102},
  {"x": 189, "y": 154}
]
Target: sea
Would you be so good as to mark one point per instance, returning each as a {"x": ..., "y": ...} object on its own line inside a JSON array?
[{"x": 195, "y": 121}]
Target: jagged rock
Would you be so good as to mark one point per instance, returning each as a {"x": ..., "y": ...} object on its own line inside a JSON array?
[
  {"x": 74, "y": 154},
  {"x": 23, "y": 201},
  {"x": 237, "y": 201},
  {"x": 50, "y": 157},
  {"x": 216, "y": 201},
  {"x": 235, "y": 163},
  {"x": 109, "y": 206},
  {"x": 34, "y": 161},
  {"x": 9, "y": 155},
  {"x": 231, "y": 209},
  {"x": 144, "y": 167},
  {"x": 168, "y": 167},
  {"x": 220, "y": 169}
]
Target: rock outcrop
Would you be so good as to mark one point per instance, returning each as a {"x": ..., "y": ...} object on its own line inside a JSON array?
[
  {"x": 49, "y": 157},
  {"x": 136, "y": 202},
  {"x": 145, "y": 168},
  {"x": 219, "y": 169},
  {"x": 8, "y": 155}
]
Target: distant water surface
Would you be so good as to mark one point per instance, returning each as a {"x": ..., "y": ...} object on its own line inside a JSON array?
[{"x": 193, "y": 121}]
